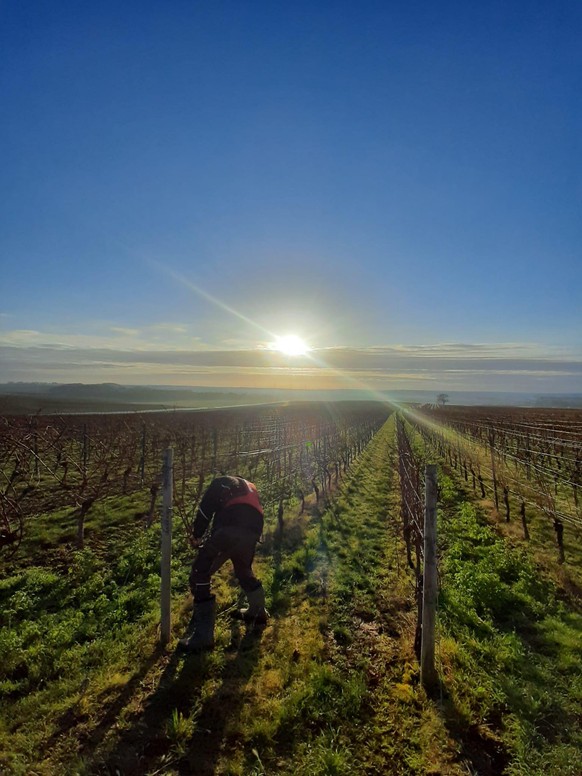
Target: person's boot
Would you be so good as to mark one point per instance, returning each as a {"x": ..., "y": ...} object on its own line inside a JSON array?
[
  {"x": 255, "y": 612},
  {"x": 200, "y": 634}
]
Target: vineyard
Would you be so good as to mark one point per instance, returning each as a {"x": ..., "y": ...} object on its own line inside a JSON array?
[
  {"x": 334, "y": 685},
  {"x": 75, "y": 461},
  {"x": 530, "y": 459}
]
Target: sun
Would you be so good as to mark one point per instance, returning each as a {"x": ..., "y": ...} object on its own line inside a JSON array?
[{"x": 291, "y": 345}]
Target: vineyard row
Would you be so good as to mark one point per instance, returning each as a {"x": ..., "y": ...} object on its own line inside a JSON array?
[{"x": 72, "y": 462}]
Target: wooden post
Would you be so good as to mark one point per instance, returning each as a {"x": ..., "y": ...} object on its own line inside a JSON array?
[
  {"x": 166, "y": 587},
  {"x": 493, "y": 472},
  {"x": 524, "y": 521},
  {"x": 428, "y": 674},
  {"x": 559, "y": 529},
  {"x": 143, "y": 454},
  {"x": 214, "y": 449},
  {"x": 506, "y": 502},
  {"x": 37, "y": 470},
  {"x": 85, "y": 450}
]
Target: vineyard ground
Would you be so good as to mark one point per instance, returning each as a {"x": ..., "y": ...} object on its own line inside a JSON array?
[
  {"x": 542, "y": 542},
  {"x": 511, "y": 634},
  {"x": 330, "y": 687}
]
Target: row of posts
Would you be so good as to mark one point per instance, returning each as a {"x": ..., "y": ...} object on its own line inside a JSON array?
[{"x": 428, "y": 673}]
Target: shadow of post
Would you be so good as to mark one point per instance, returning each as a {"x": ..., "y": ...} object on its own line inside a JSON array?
[{"x": 481, "y": 754}]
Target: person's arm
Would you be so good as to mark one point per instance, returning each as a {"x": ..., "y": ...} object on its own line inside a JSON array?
[
  {"x": 201, "y": 523},
  {"x": 208, "y": 507}
]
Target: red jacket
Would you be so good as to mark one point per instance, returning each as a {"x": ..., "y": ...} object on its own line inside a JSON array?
[
  {"x": 229, "y": 501},
  {"x": 250, "y": 497}
]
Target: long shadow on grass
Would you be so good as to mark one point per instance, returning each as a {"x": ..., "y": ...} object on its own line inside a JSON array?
[
  {"x": 530, "y": 691},
  {"x": 484, "y": 755},
  {"x": 146, "y": 739},
  {"x": 210, "y": 737},
  {"x": 110, "y": 712}
]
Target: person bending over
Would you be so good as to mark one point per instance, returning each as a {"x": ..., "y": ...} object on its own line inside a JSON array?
[{"x": 232, "y": 509}]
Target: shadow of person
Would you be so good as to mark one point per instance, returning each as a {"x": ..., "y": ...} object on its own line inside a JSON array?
[
  {"x": 110, "y": 707},
  {"x": 144, "y": 729},
  {"x": 145, "y": 741},
  {"x": 223, "y": 708}
]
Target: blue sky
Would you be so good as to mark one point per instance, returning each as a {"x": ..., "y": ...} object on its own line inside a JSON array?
[{"x": 397, "y": 176}]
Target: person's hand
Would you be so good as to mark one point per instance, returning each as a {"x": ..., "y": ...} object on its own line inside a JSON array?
[{"x": 195, "y": 542}]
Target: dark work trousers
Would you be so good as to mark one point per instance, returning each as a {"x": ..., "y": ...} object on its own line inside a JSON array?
[{"x": 227, "y": 543}]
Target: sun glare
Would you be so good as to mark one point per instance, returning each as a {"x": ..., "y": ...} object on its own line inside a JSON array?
[{"x": 291, "y": 345}]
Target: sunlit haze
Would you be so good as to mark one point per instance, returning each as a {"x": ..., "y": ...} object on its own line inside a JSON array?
[{"x": 290, "y": 345}]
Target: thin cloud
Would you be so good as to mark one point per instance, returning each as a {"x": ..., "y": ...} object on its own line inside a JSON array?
[
  {"x": 173, "y": 328},
  {"x": 110, "y": 337},
  {"x": 467, "y": 350},
  {"x": 20, "y": 337},
  {"x": 124, "y": 331}
]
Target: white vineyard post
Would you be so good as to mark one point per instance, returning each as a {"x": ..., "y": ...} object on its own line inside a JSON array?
[
  {"x": 167, "y": 506},
  {"x": 428, "y": 675}
]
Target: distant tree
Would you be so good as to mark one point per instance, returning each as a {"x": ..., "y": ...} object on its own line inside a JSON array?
[{"x": 442, "y": 399}]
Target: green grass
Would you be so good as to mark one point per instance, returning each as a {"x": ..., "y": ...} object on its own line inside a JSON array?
[
  {"x": 330, "y": 687},
  {"x": 511, "y": 649},
  {"x": 63, "y": 634}
]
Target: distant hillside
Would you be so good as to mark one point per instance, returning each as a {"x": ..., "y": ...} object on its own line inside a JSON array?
[
  {"x": 125, "y": 393},
  {"x": 565, "y": 400},
  {"x": 27, "y": 398},
  {"x": 110, "y": 397}
]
